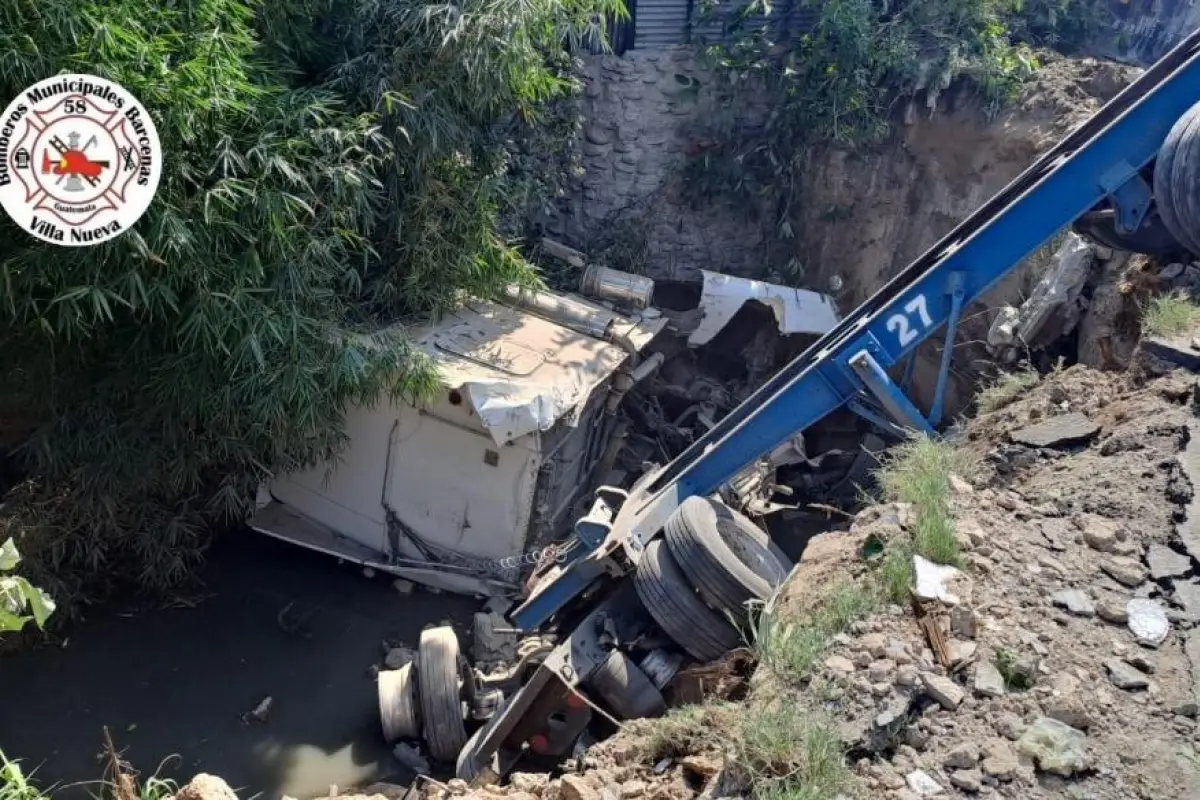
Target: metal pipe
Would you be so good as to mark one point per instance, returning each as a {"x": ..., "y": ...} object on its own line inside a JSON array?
[
  {"x": 577, "y": 315},
  {"x": 620, "y": 287}
]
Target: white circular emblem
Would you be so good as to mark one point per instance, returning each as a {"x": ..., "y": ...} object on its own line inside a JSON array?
[{"x": 79, "y": 160}]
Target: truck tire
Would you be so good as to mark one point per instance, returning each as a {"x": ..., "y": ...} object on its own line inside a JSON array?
[
  {"x": 438, "y": 685},
  {"x": 626, "y": 689},
  {"x": 728, "y": 558},
  {"x": 1177, "y": 180},
  {"x": 398, "y": 704},
  {"x": 673, "y": 603}
]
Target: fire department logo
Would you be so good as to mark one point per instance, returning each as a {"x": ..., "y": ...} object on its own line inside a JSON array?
[{"x": 80, "y": 160}]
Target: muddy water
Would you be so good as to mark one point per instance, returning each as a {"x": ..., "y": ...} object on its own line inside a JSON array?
[{"x": 172, "y": 685}]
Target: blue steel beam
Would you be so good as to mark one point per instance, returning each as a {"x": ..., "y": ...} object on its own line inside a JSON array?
[
  {"x": 1072, "y": 187},
  {"x": 1079, "y": 173}
]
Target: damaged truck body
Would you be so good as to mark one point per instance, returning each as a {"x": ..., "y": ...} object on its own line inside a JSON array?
[{"x": 662, "y": 565}]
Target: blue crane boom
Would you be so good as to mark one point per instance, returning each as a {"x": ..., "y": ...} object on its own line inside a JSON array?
[{"x": 1100, "y": 162}]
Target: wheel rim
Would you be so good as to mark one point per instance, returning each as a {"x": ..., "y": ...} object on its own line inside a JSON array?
[{"x": 397, "y": 704}]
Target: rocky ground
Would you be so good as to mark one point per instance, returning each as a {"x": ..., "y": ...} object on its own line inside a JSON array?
[{"x": 1061, "y": 666}]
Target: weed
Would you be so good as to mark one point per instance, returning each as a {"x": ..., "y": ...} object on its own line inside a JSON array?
[
  {"x": 844, "y": 604},
  {"x": 918, "y": 472},
  {"x": 896, "y": 574},
  {"x": 1007, "y": 388},
  {"x": 790, "y": 645},
  {"x": 791, "y": 753},
  {"x": 1008, "y": 665},
  {"x": 684, "y": 730},
  {"x": 15, "y": 784},
  {"x": 1170, "y": 315}
]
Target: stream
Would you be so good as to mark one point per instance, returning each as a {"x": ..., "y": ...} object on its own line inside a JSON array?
[{"x": 172, "y": 685}]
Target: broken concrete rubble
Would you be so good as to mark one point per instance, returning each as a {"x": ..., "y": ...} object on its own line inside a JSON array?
[
  {"x": 1166, "y": 563},
  {"x": 1055, "y": 747},
  {"x": 1066, "y": 430},
  {"x": 1147, "y": 621},
  {"x": 1052, "y": 309}
]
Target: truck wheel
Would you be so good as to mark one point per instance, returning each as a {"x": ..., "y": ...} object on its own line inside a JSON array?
[
  {"x": 1177, "y": 180},
  {"x": 438, "y": 682},
  {"x": 398, "y": 704},
  {"x": 675, "y": 606},
  {"x": 626, "y": 688},
  {"x": 728, "y": 558}
]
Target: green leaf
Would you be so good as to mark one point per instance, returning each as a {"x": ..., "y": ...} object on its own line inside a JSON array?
[
  {"x": 41, "y": 606},
  {"x": 9, "y": 557},
  {"x": 10, "y": 622}
]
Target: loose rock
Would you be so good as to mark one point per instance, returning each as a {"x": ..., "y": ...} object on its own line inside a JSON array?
[
  {"x": 1111, "y": 609},
  {"x": 1166, "y": 563},
  {"x": 206, "y": 787},
  {"x": 1125, "y": 571},
  {"x": 1147, "y": 621},
  {"x": 1069, "y": 710},
  {"x": 965, "y": 756},
  {"x": 988, "y": 680},
  {"x": 1008, "y": 725},
  {"x": 969, "y": 780},
  {"x": 1076, "y": 601},
  {"x": 945, "y": 691},
  {"x": 1000, "y": 762},
  {"x": 1055, "y": 747},
  {"x": 1124, "y": 676},
  {"x": 1099, "y": 533},
  {"x": 921, "y": 784},
  {"x": 576, "y": 788},
  {"x": 1061, "y": 431},
  {"x": 839, "y": 664},
  {"x": 962, "y": 622}
]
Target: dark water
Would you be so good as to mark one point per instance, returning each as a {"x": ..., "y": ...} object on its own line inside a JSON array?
[{"x": 174, "y": 684}]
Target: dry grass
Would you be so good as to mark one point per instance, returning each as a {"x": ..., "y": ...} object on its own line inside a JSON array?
[
  {"x": 791, "y": 645},
  {"x": 1170, "y": 315},
  {"x": 918, "y": 472},
  {"x": 1005, "y": 389},
  {"x": 791, "y": 753}
]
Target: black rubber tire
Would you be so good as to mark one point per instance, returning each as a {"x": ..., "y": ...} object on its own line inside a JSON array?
[
  {"x": 441, "y": 702},
  {"x": 1177, "y": 180},
  {"x": 727, "y": 557},
  {"x": 669, "y": 597},
  {"x": 627, "y": 690}
]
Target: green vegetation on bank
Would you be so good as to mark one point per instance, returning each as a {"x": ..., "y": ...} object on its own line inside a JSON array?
[
  {"x": 1006, "y": 388},
  {"x": 20, "y": 601},
  {"x": 1170, "y": 315},
  {"x": 328, "y": 166},
  {"x": 850, "y": 75}
]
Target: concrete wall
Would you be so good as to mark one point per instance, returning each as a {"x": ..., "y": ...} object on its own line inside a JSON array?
[
  {"x": 1144, "y": 30},
  {"x": 637, "y": 110}
]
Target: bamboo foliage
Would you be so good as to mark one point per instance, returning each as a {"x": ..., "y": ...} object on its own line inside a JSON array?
[{"x": 329, "y": 167}]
